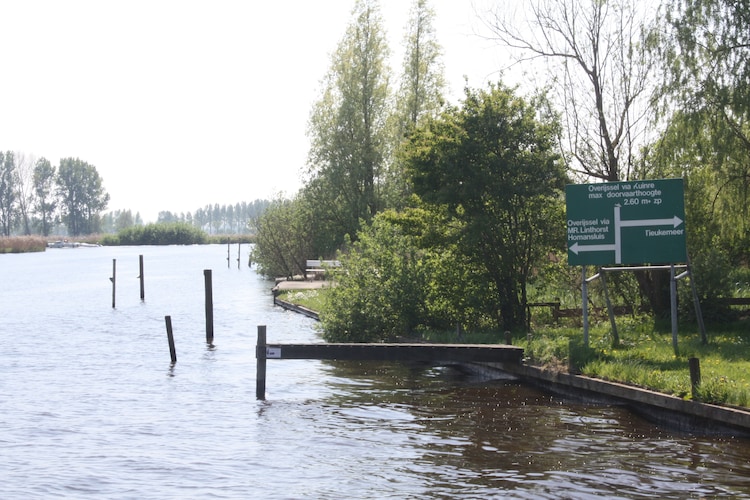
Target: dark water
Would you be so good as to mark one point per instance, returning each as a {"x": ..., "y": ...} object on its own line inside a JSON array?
[{"x": 92, "y": 409}]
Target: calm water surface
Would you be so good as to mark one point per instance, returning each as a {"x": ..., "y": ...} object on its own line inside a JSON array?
[{"x": 92, "y": 409}]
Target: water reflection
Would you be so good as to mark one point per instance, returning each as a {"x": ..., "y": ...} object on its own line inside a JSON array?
[{"x": 471, "y": 435}]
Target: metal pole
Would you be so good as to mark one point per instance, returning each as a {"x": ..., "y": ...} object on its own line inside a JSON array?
[
  {"x": 673, "y": 303},
  {"x": 585, "y": 306}
]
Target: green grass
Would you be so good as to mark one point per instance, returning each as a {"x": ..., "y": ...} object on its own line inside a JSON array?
[
  {"x": 645, "y": 356},
  {"x": 311, "y": 299}
]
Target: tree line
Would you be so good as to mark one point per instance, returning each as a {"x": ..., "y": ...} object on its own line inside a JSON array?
[
  {"x": 37, "y": 197},
  {"x": 448, "y": 213},
  {"x": 238, "y": 218}
]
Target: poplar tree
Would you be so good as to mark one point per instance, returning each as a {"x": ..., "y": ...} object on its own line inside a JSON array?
[
  {"x": 45, "y": 201},
  {"x": 420, "y": 95},
  {"x": 8, "y": 192},
  {"x": 348, "y": 127}
]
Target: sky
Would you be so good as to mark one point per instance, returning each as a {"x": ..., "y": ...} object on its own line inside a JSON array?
[{"x": 184, "y": 103}]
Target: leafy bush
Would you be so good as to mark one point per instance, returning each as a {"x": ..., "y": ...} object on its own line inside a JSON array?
[{"x": 379, "y": 294}]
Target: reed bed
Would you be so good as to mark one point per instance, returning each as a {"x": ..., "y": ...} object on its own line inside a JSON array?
[{"x": 22, "y": 244}]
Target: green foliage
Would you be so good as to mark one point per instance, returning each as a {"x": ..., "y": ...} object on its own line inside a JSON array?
[
  {"x": 711, "y": 270},
  {"x": 82, "y": 196},
  {"x": 493, "y": 165},
  {"x": 45, "y": 202},
  {"x": 284, "y": 239},
  {"x": 8, "y": 192},
  {"x": 348, "y": 126},
  {"x": 157, "y": 234},
  {"x": 379, "y": 294},
  {"x": 707, "y": 55}
]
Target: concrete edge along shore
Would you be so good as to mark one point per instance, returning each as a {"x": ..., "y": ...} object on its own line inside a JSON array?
[{"x": 673, "y": 412}]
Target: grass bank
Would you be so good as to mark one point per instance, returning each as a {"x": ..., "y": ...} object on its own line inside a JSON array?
[
  {"x": 645, "y": 356},
  {"x": 22, "y": 244}
]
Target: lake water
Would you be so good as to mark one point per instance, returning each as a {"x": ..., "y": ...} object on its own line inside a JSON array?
[{"x": 91, "y": 407}]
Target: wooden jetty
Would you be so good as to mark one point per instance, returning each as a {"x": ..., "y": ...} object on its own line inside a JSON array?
[{"x": 437, "y": 353}]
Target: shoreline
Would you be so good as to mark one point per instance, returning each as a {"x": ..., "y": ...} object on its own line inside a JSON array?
[{"x": 682, "y": 415}]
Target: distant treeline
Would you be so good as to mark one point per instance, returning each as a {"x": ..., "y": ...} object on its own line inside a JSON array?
[{"x": 238, "y": 218}]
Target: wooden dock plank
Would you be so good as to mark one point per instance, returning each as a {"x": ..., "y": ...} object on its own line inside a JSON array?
[{"x": 395, "y": 352}]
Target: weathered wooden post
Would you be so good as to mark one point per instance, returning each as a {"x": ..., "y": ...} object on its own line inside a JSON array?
[
  {"x": 229, "y": 242},
  {"x": 170, "y": 339},
  {"x": 113, "y": 279},
  {"x": 695, "y": 376},
  {"x": 260, "y": 355},
  {"x": 140, "y": 277},
  {"x": 239, "y": 253},
  {"x": 209, "y": 307}
]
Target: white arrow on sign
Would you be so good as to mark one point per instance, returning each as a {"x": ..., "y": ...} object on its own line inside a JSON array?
[
  {"x": 591, "y": 248},
  {"x": 616, "y": 247},
  {"x": 674, "y": 221}
]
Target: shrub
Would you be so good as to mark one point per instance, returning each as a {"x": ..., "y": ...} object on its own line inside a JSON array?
[{"x": 158, "y": 234}]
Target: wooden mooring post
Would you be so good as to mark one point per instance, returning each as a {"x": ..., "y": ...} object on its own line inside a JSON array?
[
  {"x": 141, "y": 278},
  {"x": 260, "y": 373},
  {"x": 695, "y": 376},
  {"x": 170, "y": 339},
  {"x": 113, "y": 279},
  {"x": 209, "y": 307}
]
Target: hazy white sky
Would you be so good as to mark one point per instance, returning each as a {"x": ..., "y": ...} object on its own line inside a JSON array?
[{"x": 182, "y": 103}]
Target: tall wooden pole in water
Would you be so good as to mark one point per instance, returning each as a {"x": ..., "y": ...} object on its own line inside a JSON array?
[
  {"x": 140, "y": 276},
  {"x": 260, "y": 359},
  {"x": 170, "y": 339},
  {"x": 209, "y": 307},
  {"x": 113, "y": 279}
]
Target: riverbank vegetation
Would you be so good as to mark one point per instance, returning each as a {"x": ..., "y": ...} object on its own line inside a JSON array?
[
  {"x": 451, "y": 216},
  {"x": 22, "y": 244},
  {"x": 157, "y": 234},
  {"x": 643, "y": 357}
]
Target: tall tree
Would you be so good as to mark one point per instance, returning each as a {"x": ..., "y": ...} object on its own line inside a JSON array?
[
  {"x": 8, "y": 192},
  {"x": 82, "y": 196},
  {"x": 599, "y": 70},
  {"x": 284, "y": 235},
  {"x": 707, "y": 56},
  {"x": 420, "y": 95},
  {"x": 493, "y": 164},
  {"x": 347, "y": 126},
  {"x": 25, "y": 189},
  {"x": 45, "y": 201}
]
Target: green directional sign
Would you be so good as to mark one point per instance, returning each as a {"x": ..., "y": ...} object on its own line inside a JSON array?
[{"x": 639, "y": 222}]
